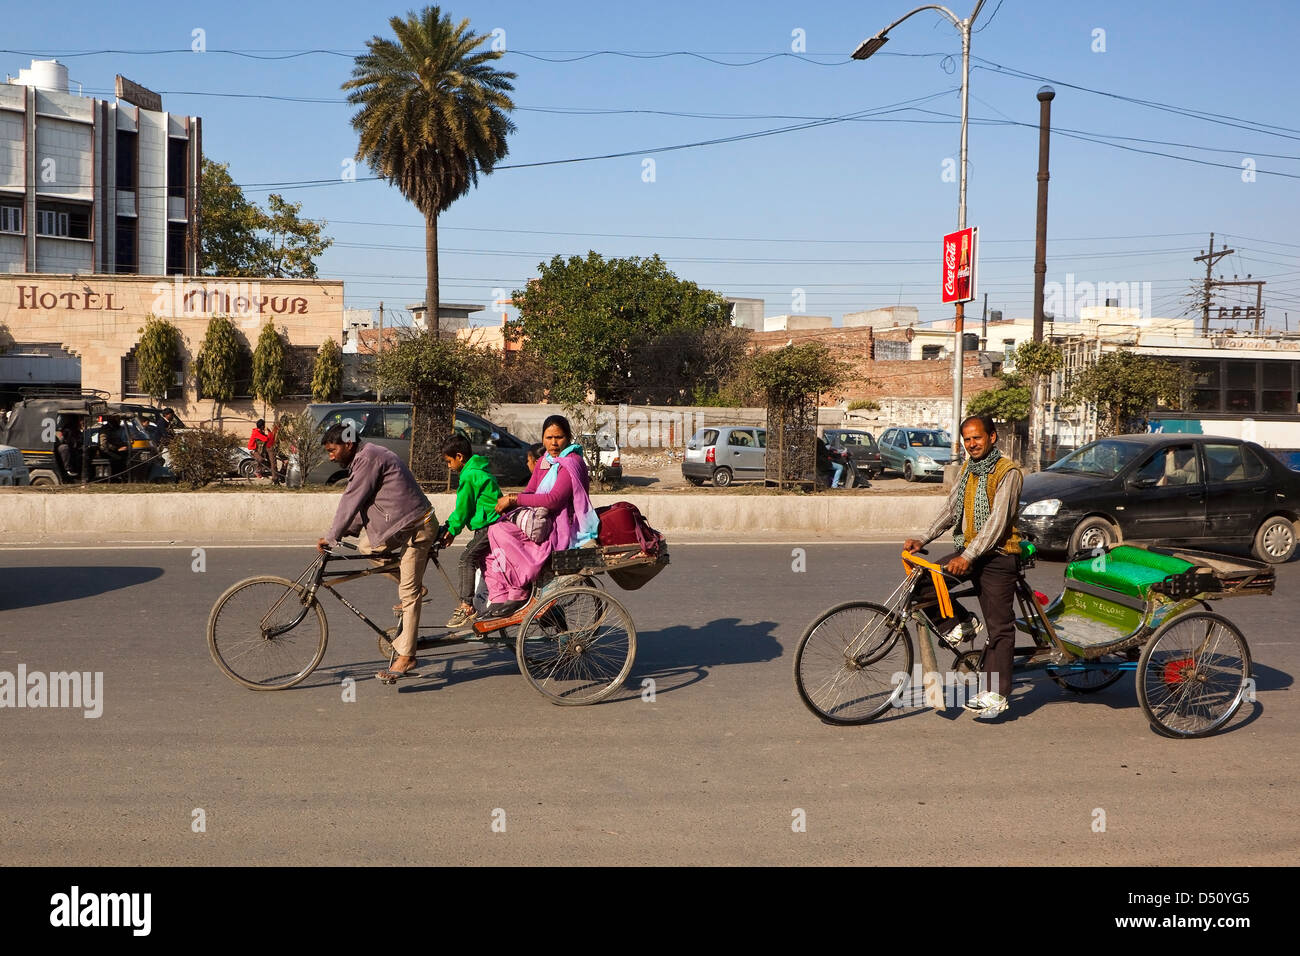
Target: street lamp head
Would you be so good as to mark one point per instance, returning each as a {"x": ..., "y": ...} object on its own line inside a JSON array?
[
  {"x": 1045, "y": 94},
  {"x": 868, "y": 47}
]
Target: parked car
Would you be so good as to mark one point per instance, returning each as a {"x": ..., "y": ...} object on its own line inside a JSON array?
[
  {"x": 916, "y": 452},
  {"x": 1171, "y": 488},
  {"x": 725, "y": 454},
  {"x": 13, "y": 470},
  {"x": 389, "y": 425},
  {"x": 861, "y": 447},
  {"x": 611, "y": 462}
]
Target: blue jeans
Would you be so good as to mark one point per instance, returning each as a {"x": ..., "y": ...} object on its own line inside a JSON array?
[{"x": 839, "y": 473}]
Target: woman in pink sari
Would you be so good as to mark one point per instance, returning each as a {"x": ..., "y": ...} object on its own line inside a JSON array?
[{"x": 559, "y": 484}]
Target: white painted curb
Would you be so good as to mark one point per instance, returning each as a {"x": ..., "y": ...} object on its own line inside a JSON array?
[{"x": 33, "y": 514}]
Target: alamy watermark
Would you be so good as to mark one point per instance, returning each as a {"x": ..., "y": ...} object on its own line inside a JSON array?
[
  {"x": 649, "y": 428},
  {"x": 75, "y": 909},
  {"x": 74, "y": 689},
  {"x": 1066, "y": 301},
  {"x": 958, "y": 687}
]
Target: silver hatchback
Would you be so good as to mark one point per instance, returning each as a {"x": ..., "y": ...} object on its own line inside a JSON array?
[{"x": 726, "y": 453}]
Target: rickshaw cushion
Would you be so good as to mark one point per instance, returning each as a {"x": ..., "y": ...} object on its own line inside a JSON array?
[{"x": 1126, "y": 570}]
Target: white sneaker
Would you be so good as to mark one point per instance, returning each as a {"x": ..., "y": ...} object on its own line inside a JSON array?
[
  {"x": 987, "y": 705},
  {"x": 966, "y": 631}
]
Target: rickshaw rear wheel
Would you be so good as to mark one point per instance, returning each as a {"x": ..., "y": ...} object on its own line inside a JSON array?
[
  {"x": 1193, "y": 674},
  {"x": 577, "y": 645},
  {"x": 848, "y": 659}
]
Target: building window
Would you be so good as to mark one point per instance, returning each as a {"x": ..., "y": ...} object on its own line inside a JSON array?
[
  {"x": 126, "y": 259},
  {"x": 11, "y": 218},
  {"x": 929, "y": 352},
  {"x": 175, "y": 248},
  {"x": 299, "y": 362},
  {"x": 126, "y": 159},
  {"x": 178, "y": 151},
  {"x": 131, "y": 378},
  {"x": 1243, "y": 387},
  {"x": 64, "y": 221}
]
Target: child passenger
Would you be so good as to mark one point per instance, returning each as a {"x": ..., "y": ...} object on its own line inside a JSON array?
[{"x": 476, "y": 502}]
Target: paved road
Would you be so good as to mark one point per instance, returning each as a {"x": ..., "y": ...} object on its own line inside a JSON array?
[{"x": 713, "y": 770}]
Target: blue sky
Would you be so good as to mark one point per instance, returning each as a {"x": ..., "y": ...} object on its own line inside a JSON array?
[{"x": 849, "y": 212}]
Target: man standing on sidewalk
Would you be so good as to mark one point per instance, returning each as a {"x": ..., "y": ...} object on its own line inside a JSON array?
[
  {"x": 383, "y": 498},
  {"x": 981, "y": 511}
]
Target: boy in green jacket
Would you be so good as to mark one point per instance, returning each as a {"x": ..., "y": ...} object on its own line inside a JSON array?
[{"x": 476, "y": 508}]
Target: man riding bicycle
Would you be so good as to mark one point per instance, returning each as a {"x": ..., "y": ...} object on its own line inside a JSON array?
[
  {"x": 981, "y": 510},
  {"x": 383, "y": 497}
]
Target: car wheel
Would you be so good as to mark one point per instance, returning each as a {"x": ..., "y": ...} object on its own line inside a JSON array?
[
  {"x": 1275, "y": 541},
  {"x": 246, "y": 467},
  {"x": 907, "y": 472},
  {"x": 1090, "y": 533},
  {"x": 42, "y": 481},
  {"x": 722, "y": 477}
]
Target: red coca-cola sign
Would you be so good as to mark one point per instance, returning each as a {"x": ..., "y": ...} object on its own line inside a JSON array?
[{"x": 959, "y": 265}]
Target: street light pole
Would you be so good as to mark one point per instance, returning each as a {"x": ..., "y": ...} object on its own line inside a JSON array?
[{"x": 865, "y": 49}]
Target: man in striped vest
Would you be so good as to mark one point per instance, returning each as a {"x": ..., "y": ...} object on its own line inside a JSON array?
[{"x": 981, "y": 511}]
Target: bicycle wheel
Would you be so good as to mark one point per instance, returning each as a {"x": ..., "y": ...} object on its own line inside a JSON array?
[
  {"x": 262, "y": 633},
  {"x": 1087, "y": 681},
  {"x": 848, "y": 659},
  {"x": 1192, "y": 675},
  {"x": 577, "y": 645}
]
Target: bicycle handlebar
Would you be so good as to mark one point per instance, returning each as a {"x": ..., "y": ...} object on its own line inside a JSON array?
[{"x": 910, "y": 557}]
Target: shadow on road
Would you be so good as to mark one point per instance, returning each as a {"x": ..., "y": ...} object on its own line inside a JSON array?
[{"x": 34, "y": 586}]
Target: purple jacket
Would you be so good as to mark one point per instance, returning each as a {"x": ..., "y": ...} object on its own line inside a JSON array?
[{"x": 382, "y": 497}]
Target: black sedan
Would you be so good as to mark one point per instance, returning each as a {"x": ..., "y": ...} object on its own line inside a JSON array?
[{"x": 1184, "y": 489}]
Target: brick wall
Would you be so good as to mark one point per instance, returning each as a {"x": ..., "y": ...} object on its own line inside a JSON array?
[{"x": 882, "y": 380}]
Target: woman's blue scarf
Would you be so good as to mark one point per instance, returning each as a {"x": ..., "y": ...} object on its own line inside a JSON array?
[{"x": 587, "y": 521}]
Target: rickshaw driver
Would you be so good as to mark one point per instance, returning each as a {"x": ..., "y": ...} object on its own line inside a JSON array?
[
  {"x": 384, "y": 499},
  {"x": 981, "y": 510}
]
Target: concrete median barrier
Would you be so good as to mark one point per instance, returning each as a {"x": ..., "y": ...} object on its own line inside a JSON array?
[{"x": 29, "y": 515}]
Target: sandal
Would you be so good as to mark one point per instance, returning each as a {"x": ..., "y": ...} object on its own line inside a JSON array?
[{"x": 391, "y": 675}]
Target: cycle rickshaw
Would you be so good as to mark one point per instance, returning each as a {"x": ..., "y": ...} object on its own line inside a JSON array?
[
  {"x": 1126, "y": 608},
  {"x": 574, "y": 641}
]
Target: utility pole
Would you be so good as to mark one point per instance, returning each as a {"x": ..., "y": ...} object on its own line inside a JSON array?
[
  {"x": 1045, "y": 96},
  {"x": 379, "y": 349},
  {"x": 984, "y": 325},
  {"x": 1209, "y": 259}
]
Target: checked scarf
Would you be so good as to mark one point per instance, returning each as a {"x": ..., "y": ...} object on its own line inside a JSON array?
[{"x": 981, "y": 469}]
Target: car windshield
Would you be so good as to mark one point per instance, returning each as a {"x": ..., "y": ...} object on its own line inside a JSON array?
[
  {"x": 1106, "y": 458},
  {"x": 928, "y": 439}
]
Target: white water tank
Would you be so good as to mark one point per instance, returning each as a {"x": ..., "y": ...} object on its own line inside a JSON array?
[{"x": 48, "y": 75}]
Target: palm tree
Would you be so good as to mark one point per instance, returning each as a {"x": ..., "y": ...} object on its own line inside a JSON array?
[{"x": 432, "y": 117}]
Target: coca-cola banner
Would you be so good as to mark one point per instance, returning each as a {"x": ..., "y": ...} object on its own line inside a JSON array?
[{"x": 959, "y": 265}]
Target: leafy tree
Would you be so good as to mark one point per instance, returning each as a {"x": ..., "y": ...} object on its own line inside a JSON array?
[
  {"x": 520, "y": 376},
  {"x": 1008, "y": 402},
  {"x": 796, "y": 373},
  {"x": 433, "y": 116},
  {"x": 327, "y": 372},
  {"x": 438, "y": 375},
  {"x": 616, "y": 326},
  {"x": 1124, "y": 386},
  {"x": 242, "y": 240},
  {"x": 221, "y": 361},
  {"x": 158, "y": 354},
  {"x": 268, "y": 367},
  {"x": 790, "y": 380}
]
